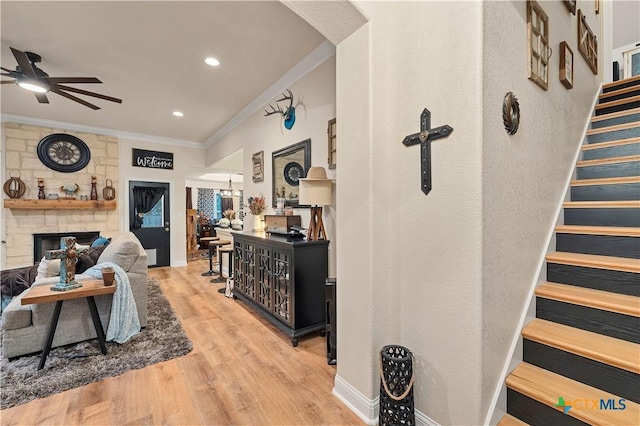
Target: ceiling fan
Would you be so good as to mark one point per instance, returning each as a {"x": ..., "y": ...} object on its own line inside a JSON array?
[{"x": 28, "y": 76}]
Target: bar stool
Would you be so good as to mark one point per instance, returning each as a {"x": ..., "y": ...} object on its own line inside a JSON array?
[
  {"x": 218, "y": 245},
  {"x": 207, "y": 240},
  {"x": 212, "y": 246},
  {"x": 222, "y": 250}
]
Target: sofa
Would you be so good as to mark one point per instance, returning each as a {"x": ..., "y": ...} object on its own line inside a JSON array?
[{"x": 24, "y": 327}]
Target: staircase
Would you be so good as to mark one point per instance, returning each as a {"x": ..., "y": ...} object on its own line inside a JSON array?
[{"x": 581, "y": 354}]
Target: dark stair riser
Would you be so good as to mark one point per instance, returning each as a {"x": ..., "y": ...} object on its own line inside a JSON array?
[
  {"x": 634, "y": 92},
  {"x": 622, "y": 383},
  {"x": 533, "y": 412},
  {"x": 633, "y": 132},
  {"x": 607, "y": 323},
  {"x": 629, "y": 118},
  {"x": 618, "y": 108},
  {"x": 611, "y": 152},
  {"x": 598, "y": 279},
  {"x": 602, "y": 217},
  {"x": 612, "y": 192},
  {"x": 604, "y": 245},
  {"x": 621, "y": 85},
  {"x": 629, "y": 168}
]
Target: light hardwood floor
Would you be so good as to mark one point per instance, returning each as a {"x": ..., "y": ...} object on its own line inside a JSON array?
[{"x": 242, "y": 371}]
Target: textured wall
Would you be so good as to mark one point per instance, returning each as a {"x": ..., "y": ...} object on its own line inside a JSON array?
[
  {"x": 524, "y": 175},
  {"x": 315, "y": 96},
  {"x": 19, "y": 151}
]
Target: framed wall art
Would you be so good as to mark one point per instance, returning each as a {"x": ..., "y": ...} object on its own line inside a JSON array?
[
  {"x": 571, "y": 5},
  {"x": 258, "y": 166},
  {"x": 587, "y": 43},
  {"x": 538, "y": 47},
  {"x": 331, "y": 134},
  {"x": 566, "y": 65}
]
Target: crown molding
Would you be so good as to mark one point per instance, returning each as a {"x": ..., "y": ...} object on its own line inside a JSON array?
[
  {"x": 10, "y": 118},
  {"x": 310, "y": 62}
]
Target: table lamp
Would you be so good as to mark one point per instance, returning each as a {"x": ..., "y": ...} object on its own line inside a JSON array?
[{"x": 315, "y": 190}]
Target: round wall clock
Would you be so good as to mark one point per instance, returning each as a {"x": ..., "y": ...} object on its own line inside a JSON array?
[
  {"x": 63, "y": 153},
  {"x": 292, "y": 173}
]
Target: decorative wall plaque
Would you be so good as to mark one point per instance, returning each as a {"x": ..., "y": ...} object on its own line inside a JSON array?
[
  {"x": 152, "y": 159},
  {"x": 587, "y": 43},
  {"x": 566, "y": 65},
  {"x": 538, "y": 48}
]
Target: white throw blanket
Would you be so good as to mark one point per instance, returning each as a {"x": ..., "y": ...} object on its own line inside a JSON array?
[{"x": 124, "y": 322}]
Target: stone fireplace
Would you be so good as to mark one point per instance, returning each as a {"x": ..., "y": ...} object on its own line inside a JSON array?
[
  {"x": 21, "y": 224},
  {"x": 44, "y": 242}
]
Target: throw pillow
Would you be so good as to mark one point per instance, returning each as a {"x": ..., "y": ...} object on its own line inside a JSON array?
[
  {"x": 122, "y": 251},
  {"x": 100, "y": 241},
  {"x": 48, "y": 268},
  {"x": 88, "y": 258}
]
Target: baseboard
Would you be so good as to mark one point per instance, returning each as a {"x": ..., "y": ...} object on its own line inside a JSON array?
[{"x": 367, "y": 409}]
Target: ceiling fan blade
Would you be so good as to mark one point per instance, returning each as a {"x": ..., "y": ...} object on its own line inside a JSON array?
[
  {"x": 23, "y": 61},
  {"x": 73, "y": 98},
  {"x": 7, "y": 70},
  {"x": 42, "y": 98},
  {"x": 56, "y": 80},
  {"x": 7, "y": 81},
  {"x": 84, "y": 92}
]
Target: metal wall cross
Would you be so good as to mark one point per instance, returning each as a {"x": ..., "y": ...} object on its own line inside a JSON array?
[
  {"x": 424, "y": 138},
  {"x": 68, "y": 255}
]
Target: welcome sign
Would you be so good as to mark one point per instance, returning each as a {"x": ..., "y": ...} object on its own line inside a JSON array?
[{"x": 152, "y": 159}]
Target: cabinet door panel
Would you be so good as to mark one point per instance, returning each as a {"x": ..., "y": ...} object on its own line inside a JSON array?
[
  {"x": 265, "y": 277},
  {"x": 238, "y": 268},
  {"x": 282, "y": 292},
  {"x": 250, "y": 270}
]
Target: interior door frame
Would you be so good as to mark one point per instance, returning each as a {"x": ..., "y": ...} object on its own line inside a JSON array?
[{"x": 125, "y": 223}]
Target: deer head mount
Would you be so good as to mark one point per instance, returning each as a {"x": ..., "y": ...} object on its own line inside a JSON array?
[{"x": 288, "y": 114}]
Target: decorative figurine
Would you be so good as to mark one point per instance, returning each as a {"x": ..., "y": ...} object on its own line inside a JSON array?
[
  {"x": 94, "y": 191},
  {"x": 69, "y": 190},
  {"x": 41, "y": 195},
  {"x": 68, "y": 255}
]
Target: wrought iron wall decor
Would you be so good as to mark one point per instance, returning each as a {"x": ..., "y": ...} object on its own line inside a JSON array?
[
  {"x": 424, "y": 138},
  {"x": 538, "y": 47},
  {"x": 511, "y": 113},
  {"x": 587, "y": 43},
  {"x": 571, "y": 5}
]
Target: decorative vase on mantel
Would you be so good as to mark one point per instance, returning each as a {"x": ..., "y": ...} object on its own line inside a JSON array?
[{"x": 258, "y": 223}]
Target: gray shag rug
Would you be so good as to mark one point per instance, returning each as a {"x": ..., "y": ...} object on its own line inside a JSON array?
[{"x": 76, "y": 365}]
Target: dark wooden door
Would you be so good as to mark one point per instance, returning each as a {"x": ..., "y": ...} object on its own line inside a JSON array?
[{"x": 153, "y": 228}]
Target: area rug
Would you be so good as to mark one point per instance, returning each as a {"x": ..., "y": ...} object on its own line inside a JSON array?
[{"x": 76, "y": 365}]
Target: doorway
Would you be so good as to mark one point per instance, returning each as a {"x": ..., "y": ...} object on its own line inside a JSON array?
[{"x": 150, "y": 219}]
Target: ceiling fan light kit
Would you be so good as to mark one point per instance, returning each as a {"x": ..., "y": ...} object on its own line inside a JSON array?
[{"x": 28, "y": 76}]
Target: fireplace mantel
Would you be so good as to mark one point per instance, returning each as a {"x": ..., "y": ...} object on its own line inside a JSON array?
[{"x": 19, "y": 204}]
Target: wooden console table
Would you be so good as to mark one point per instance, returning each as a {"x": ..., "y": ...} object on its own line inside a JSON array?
[
  {"x": 89, "y": 289},
  {"x": 283, "y": 280}
]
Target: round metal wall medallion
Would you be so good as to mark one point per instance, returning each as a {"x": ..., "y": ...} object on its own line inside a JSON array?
[{"x": 511, "y": 113}]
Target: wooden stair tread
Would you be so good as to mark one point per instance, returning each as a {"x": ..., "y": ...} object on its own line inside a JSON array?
[
  {"x": 619, "y": 92},
  {"x": 606, "y": 181},
  {"x": 595, "y": 261},
  {"x": 625, "y": 204},
  {"x": 509, "y": 420},
  {"x": 619, "y": 82},
  {"x": 545, "y": 387},
  {"x": 598, "y": 299},
  {"x": 611, "y": 160},
  {"x": 598, "y": 347},
  {"x": 611, "y": 115},
  {"x": 609, "y": 144},
  {"x": 616, "y": 231},
  {"x": 618, "y": 102},
  {"x": 613, "y": 128}
]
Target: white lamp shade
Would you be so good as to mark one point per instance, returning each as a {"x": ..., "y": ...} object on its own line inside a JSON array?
[{"x": 315, "y": 192}]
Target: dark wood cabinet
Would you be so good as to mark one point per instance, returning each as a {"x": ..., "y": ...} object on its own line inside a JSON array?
[{"x": 283, "y": 280}]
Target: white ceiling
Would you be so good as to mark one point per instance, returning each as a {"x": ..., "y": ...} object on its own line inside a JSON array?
[{"x": 151, "y": 54}]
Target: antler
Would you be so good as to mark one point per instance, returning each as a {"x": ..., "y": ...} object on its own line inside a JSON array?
[
  {"x": 279, "y": 110},
  {"x": 273, "y": 110}
]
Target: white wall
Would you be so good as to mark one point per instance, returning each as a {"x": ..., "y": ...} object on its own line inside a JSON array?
[
  {"x": 183, "y": 159},
  {"x": 410, "y": 273},
  {"x": 315, "y": 106},
  {"x": 524, "y": 176}
]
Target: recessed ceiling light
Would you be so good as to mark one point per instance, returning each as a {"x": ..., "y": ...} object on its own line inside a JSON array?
[
  {"x": 212, "y": 61},
  {"x": 178, "y": 114}
]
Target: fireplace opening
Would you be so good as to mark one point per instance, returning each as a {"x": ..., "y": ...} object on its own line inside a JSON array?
[{"x": 44, "y": 242}]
